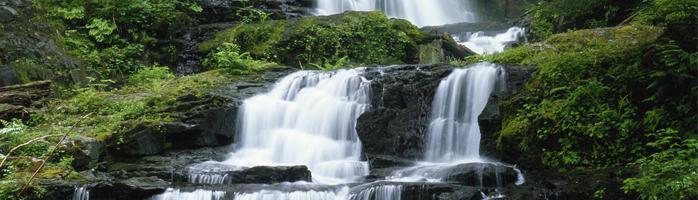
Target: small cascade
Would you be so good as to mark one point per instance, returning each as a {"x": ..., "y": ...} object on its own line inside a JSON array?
[
  {"x": 454, "y": 133},
  {"x": 309, "y": 118},
  {"x": 199, "y": 194},
  {"x": 484, "y": 44},
  {"x": 419, "y": 12},
  {"x": 81, "y": 193},
  {"x": 295, "y": 195},
  {"x": 379, "y": 192}
]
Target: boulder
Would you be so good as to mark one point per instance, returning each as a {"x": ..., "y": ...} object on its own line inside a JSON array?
[
  {"x": 132, "y": 188},
  {"x": 86, "y": 151},
  {"x": 269, "y": 175},
  {"x": 215, "y": 174},
  {"x": 481, "y": 174}
]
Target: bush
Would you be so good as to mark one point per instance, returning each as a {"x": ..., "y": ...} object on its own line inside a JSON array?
[
  {"x": 364, "y": 38},
  {"x": 228, "y": 57},
  {"x": 671, "y": 174},
  {"x": 149, "y": 74}
]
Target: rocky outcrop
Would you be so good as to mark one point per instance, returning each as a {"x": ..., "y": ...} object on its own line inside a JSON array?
[
  {"x": 29, "y": 50},
  {"x": 401, "y": 100},
  {"x": 204, "y": 121},
  {"x": 17, "y": 100},
  {"x": 269, "y": 175}
]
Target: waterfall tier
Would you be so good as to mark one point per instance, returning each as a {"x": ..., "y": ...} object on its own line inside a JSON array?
[
  {"x": 454, "y": 133},
  {"x": 419, "y": 12},
  {"x": 309, "y": 118}
]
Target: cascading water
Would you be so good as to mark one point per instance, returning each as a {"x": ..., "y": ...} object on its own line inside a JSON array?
[
  {"x": 419, "y": 12},
  {"x": 454, "y": 133},
  {"x": 309, "y": 118},
  {"x": 81, "y": 193},
  {"x": 483, "y": 44}
]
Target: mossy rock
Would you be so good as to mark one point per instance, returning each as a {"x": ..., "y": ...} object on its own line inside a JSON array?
[{"x": 361, "y": 37}]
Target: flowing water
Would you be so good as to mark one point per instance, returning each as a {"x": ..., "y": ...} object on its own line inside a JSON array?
[
  {"x": 81, "y": 193},
  {"x": 481, "y": 43},
  {"x": 309, "y": 118},
  {"x": 454, "y": 133},
  {"x": 419, "y": 12}
]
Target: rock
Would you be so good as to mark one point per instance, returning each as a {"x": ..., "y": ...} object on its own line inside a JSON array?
[
  {"x": 216, "y": 173},
  {"x": 573, "y": 185},
  {"x": 481, "y": 174},
  {"x": 269, "y": 175},
  {"x": 416, "y": 191},
  {"x": 401, "y": 100},
  {"x": 9, "y": 112},
  {"x": 8, "y": 76},
  {"x": 441, "y": 49},
  {"x": 170, "y": 166},
  {"x": 86, "y": 151},
  {"x": 142, "y": 140},
  {"x": 133, "y": 188}
]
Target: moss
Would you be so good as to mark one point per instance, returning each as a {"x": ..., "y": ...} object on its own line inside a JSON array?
[
  {"x": 258, "y": 39},
  {"x": 362, "y": 37}
]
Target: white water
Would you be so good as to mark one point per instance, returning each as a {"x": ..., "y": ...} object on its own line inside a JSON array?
[
  {"x": 81, "y": 193},
  {"x": 379, "y": 192},
  {"x": 454, "y": 133},
  {"x": 296, "y": 195},
  {"x": 199, "y": 194},
  {"x": 484, "y": 44},
  {"x": 308, "y": 118},
  {"x": 419, "y": 12}
]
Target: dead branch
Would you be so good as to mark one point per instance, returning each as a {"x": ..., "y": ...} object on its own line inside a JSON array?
[
  {"x": 24, "y": 144},
  {"x": 48, "y": 155}
]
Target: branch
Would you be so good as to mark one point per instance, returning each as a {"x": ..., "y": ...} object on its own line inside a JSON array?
[
  {"x": 24, "y": 144},
  {"x": 48, "y": 155}
]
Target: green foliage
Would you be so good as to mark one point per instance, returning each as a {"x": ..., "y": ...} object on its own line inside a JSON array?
[
  {"x": 150, "y": 74},
  {"x": 549, "y": 17},
  {"x": 257, "y": 39},
  {"x": 114, "y": 38},
  {"x": 317, "y": 39},
  {"x": 228, "y": 57},
  {"x": 329, "y": 66},
  {"x": 606, "y": 98},
  {"x": 659, "y": 177}
]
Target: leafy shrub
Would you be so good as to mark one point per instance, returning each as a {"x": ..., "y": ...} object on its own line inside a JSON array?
[
  {"x": 364, "y": 38},
  {"x": 149, "y": 74},
  {"x": 228, "y": 57},
  {"x": 670, "y": 174}
]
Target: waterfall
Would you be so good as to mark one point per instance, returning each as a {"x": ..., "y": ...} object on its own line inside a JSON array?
[
  {"x": 454, "y": 133},
  {"x": 81, "y": 193},
  {"x": 199, "y": 194},
  {"x": 308, "y": 118},
  {"x": 379, "y": 192},
  {"x": 484, "y": 44},
  {"x": 419, "y": 12}
]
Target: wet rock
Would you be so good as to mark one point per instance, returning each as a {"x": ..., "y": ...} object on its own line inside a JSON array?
[
  {"x": 133, "y": 188},
  {"x": 268, "y": 175},
  {"x": 401, "y": 100},
  {"x": 481, "y": 174},
  {"x": 414, "y": 191}
]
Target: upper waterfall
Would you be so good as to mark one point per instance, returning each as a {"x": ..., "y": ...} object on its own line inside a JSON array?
[{"x": 419, "y": 12}]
